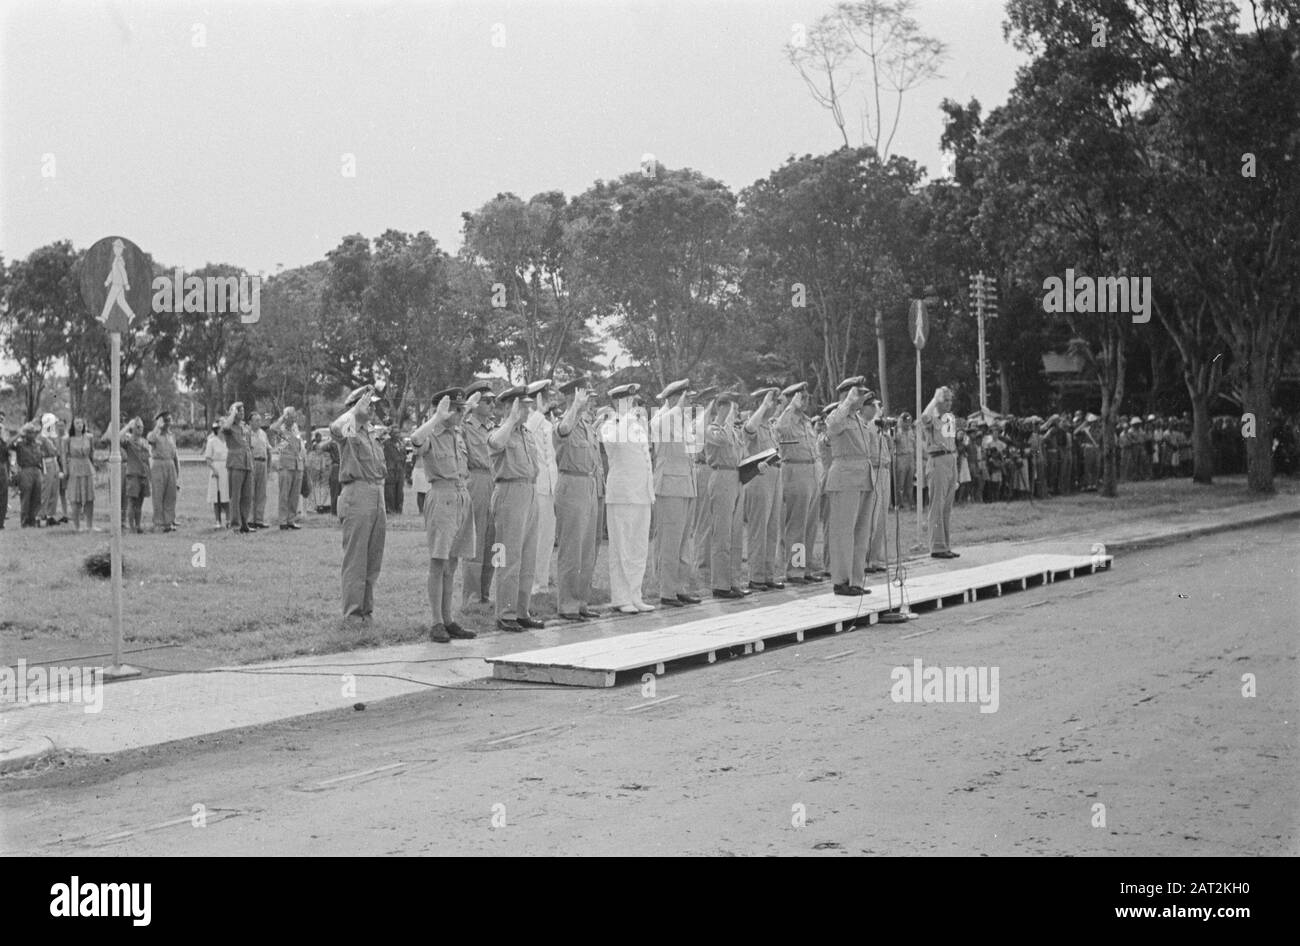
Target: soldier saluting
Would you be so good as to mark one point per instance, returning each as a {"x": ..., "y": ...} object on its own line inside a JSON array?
[
  {"x": 448, "y": 510},
  {"x": 848, "y": 483},
  {"x": 362, "y": 471},
  {"x": 514, "y": 509}
]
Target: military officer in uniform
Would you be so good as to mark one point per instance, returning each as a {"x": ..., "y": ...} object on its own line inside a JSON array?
[
  {"x": 629, "y": 499},
  {"x": 476, "y": 572},
  {"x": 448, "y": 509},
  {"x": 880, "y": 450},
  {"x": 762, "y": 499},
  {"x": 514, "y": 509},
  {"x": 361, "y": 503},
  {"x": 800, "y": 490},
  {"x": 848, "y": 483},
  {"x": 702, "y": 523},
  {"x": 723, "y": 452},
  {"x": 824, "y": 499},
  {"x": 577, "y": 458},
  {"x": 939, "y": 438},
  {"x": 673, "y": 432}
]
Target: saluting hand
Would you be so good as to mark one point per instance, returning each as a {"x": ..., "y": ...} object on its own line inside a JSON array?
[
  {"x": 472, "y": 401},
  {"x": 444, "y": 407}
]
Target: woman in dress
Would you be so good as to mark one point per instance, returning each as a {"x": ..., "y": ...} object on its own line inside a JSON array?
[
  {"x": 78, "y": 461},
  {"x": 215, "y": 451},
  {"x": 51, "y": 469}
]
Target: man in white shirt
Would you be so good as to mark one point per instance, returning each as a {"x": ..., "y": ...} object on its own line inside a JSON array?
[
  {"x": 547, "y": 473},
  {"x": 629, "y": 497}
]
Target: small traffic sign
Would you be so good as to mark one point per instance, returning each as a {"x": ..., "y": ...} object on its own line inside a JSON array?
[
  {"x": 116, "y": 283},
  {"x": 918, "y": 323}
]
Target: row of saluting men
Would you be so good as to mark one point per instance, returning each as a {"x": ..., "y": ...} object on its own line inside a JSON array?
[{"x": 709, "y": 477}]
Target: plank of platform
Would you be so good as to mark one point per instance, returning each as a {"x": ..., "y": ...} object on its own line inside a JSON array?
[{"x": 596, "y": 662}]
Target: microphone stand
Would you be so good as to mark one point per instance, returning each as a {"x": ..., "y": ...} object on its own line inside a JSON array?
[{"x": 904, "y": 614}]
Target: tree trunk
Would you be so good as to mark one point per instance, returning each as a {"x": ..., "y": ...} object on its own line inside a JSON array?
[
  {"x": 1202, "y": 446},
  {"x": 1109, "y": 451},
  {"x": 1004, "y": 388},
  {"x": 1259, "y": 401}
]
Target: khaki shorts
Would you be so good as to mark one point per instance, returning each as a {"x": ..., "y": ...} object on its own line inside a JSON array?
[{"x": 449, "y": 523}]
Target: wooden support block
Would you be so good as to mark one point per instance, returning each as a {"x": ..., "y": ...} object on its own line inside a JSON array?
[
  {"x": 713, "y": 656},
  {"x": 873, "y": 618},
  {"x": 998, "y": 586},
  {"x": 749, "y": 649},
  {"x": 798, "y": 635},
  {"x": 758, "y": 647},
  {"x": 839, "y": 626},
  {"x": 1024, "y": 583},
  {"x": 659, "y": 669}
]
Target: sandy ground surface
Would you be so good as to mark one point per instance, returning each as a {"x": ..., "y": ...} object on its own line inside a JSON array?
[{"x": 1122, "y": 689}]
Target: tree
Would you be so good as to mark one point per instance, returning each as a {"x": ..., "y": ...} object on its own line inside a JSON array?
[
  {"x": 1209, "y": 115},
  {"x": 211, "y": 346},
  {"x": 875, "y": 42},
  {"x": 828, "y": 241},
  {"x": 286, "y": 349},
  {"x": 42, "y": 297},
  {"x": 539, "y": 313},
  {"x": 660, "y": 252}
]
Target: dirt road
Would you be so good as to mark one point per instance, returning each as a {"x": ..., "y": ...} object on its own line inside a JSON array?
[{"x": 1122, "y": 690}]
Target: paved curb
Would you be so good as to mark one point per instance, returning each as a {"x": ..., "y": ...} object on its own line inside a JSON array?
[
  {"x": 1170, "y": 537},
  {"x": 35, "y": 748},
  {"x": 30, "y": 751}
]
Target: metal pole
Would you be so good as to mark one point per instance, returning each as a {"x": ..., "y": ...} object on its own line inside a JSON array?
[
  {"x": 880, "y": 363},
  {"x": 115, "y": 496},
  {"x": 920, "y": 466},
  {"x": 979, "y": 314}
]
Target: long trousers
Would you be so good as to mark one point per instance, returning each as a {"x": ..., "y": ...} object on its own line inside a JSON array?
[
  {"x": 799, "y": 518},
  {"x": 849, "y": 531},
  {"x": 943, "y": 487},
  {"x": 162, "y": 490},
  {"x": 514, "y": 517},
  {"x": 762, "y": 501},
  {"x": 727, "y": 525},
  {"x": 575, "y": 528},
  {"x": 365, "y": 529},
  {"x": 629, "y": 546},
  {"x": 241, "y": 497},
  {"x": 674, "y": 544},
  {"x": 476, "y": 573},
  {"x": 290, "y": 483}
]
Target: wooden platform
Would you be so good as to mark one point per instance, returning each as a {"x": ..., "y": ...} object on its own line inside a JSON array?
[{"x": 596, "y": 663}]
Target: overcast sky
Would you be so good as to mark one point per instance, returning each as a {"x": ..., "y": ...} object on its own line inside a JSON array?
[{"x": 233, "y": 151}]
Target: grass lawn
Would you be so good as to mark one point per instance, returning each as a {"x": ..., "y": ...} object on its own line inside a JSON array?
[{"x": 228, "y": 598}]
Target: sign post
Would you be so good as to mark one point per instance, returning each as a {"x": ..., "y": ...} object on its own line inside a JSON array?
[
  {"x": 918, "y": 329},
  {"x": 116, "y": 281}
]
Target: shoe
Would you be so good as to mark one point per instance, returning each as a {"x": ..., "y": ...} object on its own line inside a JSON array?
[
  {"x": 587, "y": 612},
  {"x": 759, "y": 586},
  {"x": 243, "y": 530},
  {"x": 689, "y": 599},
  {"x": 795, "y": 580},
  {"x": 643, "y": 607},
  {"x": 726, "y": 593},
  {"x": 671, "y": 603},
  {"x": 572, "y": 616},
  {"x": 283, "y": 527},
  {"x": 943, "y": 554},
  {"x": 506, "y": 624},
  {"x": 628, "y": 609},
  {"x": 530, "y": 623},
  {"x": 877, "y": 570},
  {"x": 776, "y": 585},
  {"x": 814, "y": 579},
  {"x": 847, "y": 589},
  {"x": 743, "y": 592},
  {"x": 438, "y": 634},
  {"x": 458, "y": 632},
  {"x": 63, "y": 520},
  {"x": 293, "y": 525}
]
